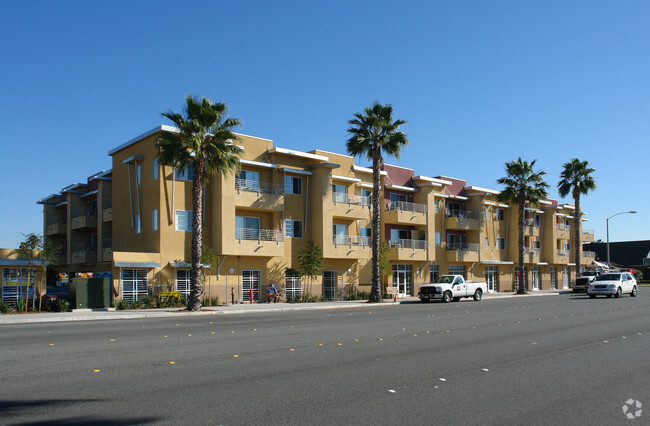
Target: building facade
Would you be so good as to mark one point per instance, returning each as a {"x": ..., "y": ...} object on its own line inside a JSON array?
[{"x": 134, "y": 223}]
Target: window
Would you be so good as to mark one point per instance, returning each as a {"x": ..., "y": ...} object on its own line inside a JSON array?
[
  {"x": 292, "y": 185},
  {"x": 366, "y": 232},
  {"x": 138, "y": 174},
  {"x": 433, "y": 272},
  {"x": 486, "y": 242},
  {"x": 250, "y": 281},
  {"x": 537, "y": 244},
  {"x": 438, "y": 239},
  {"x": 454, "y": 241},
  {"x": 501, "y": 215},
  {"x": 183, "y": 281},
  {"x": 537, "y": 220},
  {"x": 134, "y": 284},
  {"x": 154, "y": 171},
  {"x": 184, "y": 220},
  {"x": 339, "y": 193},
  {"x": 331, "y": 281},
  {"x": 340, "y": 233},
  {"x": 436, "y": 206},
  {"x": 457, "y": 270},
  {"x": 247, "y": 228},
  {"x": 185, "y": 174},
  {"x": 138, "y": 223},
  {"x": 292, "y": 285},
  {"x": 293, "y": 228},
  {"x": 367, "y": 197},
  {"x": 395, "y": 197},
  {"x": 501, "y": 243},
  {"x": 154, "y": 220},
  {"x": 399, "y": 234}
]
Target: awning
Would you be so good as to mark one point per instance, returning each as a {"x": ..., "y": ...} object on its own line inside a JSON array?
[{"x": 127, "y": 264}]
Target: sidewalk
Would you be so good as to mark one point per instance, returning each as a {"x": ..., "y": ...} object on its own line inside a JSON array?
[{"x": 244, "y": 308}]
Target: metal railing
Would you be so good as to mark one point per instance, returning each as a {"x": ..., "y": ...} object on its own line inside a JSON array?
[
  {"x": 407, "y": 243},
  {"x": 80, "y": 247},
  {"x": 82, "y": 211},
  {"x": 55, "y": 219},
  {"x": 107, "y": 203},
  {"x": 562, "y": 252},
  {"x": 461, "y": 214},
  {"x": 406, "y": 206},
  {"x": 342, "y": 240},
  {"x": 532, "y": 250},
  {"x": 259, "y": 234},
  {"x": 563, "y": 227},
  {"x": 589, "y": 253},
  {"x": 588, "y": 231},
  {"x": 256, "y": 186},
  {"x": 462, "y": 247},
  {"x": 531, "y": 222},
  {"x": 343, "y": 198}
]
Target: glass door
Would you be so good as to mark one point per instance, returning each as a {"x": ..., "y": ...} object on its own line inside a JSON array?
[
  {"x": 491, "y": 277},
  {"x": 402, "y": 280}
]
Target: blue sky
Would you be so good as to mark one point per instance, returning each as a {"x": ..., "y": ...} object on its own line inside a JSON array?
[{"x": 479, "y": 82}]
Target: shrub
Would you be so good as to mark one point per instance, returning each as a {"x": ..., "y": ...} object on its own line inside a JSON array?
[
  {"x": 61, "y": 304},
  {"x": 214, "y": 301},
  {"x": 3, "y": 307},
  {"x": 136, "y": 304},
  {"x": 183, "y": 301},
  {"x": 121, "y": 304},
  {"x": 148, "y": 302},
  {"x": 21, "y": 306}
]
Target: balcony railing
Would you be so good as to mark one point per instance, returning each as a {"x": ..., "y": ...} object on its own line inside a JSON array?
[
  {"x": 588, "y": 231},
  {"x": 462, "y": 214},
  {"x": 78, "y": 247},
  {"x": 531, "y": 222},
  {"x": 562, "y": 252},
  {"x": 462, "y": 247},
  {"x": 563, "y": 227},
  {"x": 82, "y": 211},
  {"x": 259, "y": 234},
  {"x": 532, "y": 250},
  {"x": 589, "y": 253},
  {"x": 343, "y": 198},
  {"x": 107, "y": 203},
  {"x": 341, "y": 240},
  {"x": 407, "y": 244},
  {"x": 406, "y": 206},
  {"x": 256, "y": 186},
  {"x": 55, "y": 219}
]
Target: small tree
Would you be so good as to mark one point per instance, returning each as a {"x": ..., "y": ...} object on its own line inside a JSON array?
[
  {"x": 385, "y": 267},
  {"x": 310, "y": 259},
  {"x": 209, "y": 256},
  {"x": 40, "y": 253}
]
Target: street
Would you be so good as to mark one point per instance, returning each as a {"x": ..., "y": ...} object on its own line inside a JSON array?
[{"x": 560, "y": 359}]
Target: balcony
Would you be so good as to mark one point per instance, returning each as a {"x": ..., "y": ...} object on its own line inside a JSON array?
[
  {"x": 81, "y": 219},
  {"x": 352, "y": 206},
  {"x": 349, "y": 247},
  {"x": 563, "y": 230},
  {"x": 62, "y": 258},
  {"x": 83, "y": 253},
  {"x": 406, "y": 213},
  {"x": 56, "y": 226},
  {"x": 107, "y": 249},
  {"x": 562, "y": 256},
  {"x": 591, "y": 255},
  {"x": 530, "y": 227},
  {"x": 462, "y": 252},
  {"x": 405, "y": 249},
  {"x": 532, "y": 254},
  {"x": 588, "y": 235},
  {"x": 461, "y": 219},
  {"x": 259, "y": 195},
  {"x": 107, "y": 210},
  {"x": 258, "y": 242}
]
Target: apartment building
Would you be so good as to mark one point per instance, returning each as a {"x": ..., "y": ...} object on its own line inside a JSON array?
[{"x": 133, "y": 223}]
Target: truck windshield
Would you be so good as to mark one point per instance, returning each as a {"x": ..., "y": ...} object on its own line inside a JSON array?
[{"x": 444, "y": 279}]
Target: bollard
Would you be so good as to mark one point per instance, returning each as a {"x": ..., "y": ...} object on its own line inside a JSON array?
[
  {"x": 395, "y": 298},
  {"x": 250, "y": 294}
]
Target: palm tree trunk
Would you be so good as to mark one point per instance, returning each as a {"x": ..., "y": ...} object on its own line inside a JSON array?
[
  {"x": 522, "y": 272},
  {"x": 577, "y": 229},
  {"x": 375, "y": 292},
  {"x": 194, "y": 304}
]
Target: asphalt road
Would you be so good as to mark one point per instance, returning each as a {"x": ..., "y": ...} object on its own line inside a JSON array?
[{"x": 560, "y": 359}]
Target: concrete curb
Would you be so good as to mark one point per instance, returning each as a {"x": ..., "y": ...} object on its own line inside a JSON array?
[{"x": 111, "y": 314}]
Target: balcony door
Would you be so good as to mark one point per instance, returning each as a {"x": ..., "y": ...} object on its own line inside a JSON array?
[{"x": 247, "y": 228}]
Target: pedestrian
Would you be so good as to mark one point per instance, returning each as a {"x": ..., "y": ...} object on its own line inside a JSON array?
[{"x": 270, "y": 293}]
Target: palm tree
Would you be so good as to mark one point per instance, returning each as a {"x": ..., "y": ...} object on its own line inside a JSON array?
[
  {"x": 374, "y": 132},
  {"x": 522, "y": 186},
  {"x": 576, "y": 179},
  {"x": 204, "y": 141}
]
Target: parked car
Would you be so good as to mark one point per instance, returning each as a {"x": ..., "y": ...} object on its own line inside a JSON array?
[
  {"x": 613, "y": 284},
  {"x": 582, "y": 282},
  {"x": 452, "y": 287},
  {"x": 53, "y": 293}
]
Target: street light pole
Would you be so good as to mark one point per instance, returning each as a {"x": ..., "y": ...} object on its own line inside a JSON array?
[{"x": 609, "y": 265}]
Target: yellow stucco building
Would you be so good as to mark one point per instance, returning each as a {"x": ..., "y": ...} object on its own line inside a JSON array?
[{"x": 134, "y": 222}]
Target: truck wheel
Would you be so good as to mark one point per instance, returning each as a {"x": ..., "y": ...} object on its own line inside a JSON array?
[
  {"x": 618, "y": 293},
  {"x": 446, "y": 297},
  {"x": 633, "y": 294},
  {"x": 478, "y": 295}
]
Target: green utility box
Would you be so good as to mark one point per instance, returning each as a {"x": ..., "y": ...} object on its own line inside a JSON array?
[{"x": 91, "y": 293}]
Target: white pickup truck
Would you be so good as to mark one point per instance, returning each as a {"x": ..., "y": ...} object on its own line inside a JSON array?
[{"x": 451, "y": 287}]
